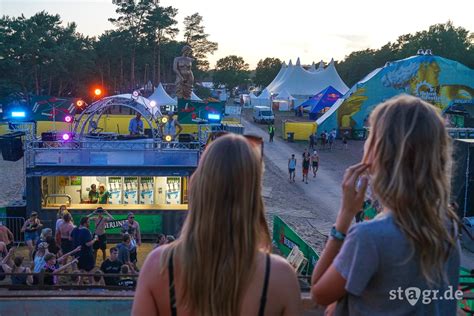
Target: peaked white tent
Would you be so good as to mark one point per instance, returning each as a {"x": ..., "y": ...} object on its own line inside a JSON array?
[
  {"x": 302, "y": 84},
  {"x": 161, "y": 97},
  {"x": 280, "y": 74},
  {"x": 284, "y": 95},
  {"x": 312, "y": 68}
]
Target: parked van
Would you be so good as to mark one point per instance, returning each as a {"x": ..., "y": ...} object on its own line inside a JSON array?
[{"x": 263, "y": 114}]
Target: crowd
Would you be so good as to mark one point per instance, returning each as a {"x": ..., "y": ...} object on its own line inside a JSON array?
[
  {"x": 72, "y": 249},
  {"x": 221, "y": 263}
]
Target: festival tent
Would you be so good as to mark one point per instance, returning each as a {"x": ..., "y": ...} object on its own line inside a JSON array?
[
  {"x": 302, "y": 84},
  {"x": 322, "y": 100},
  {"x": 161, "y": 97},
  {"x": 437, "y": 80},
  {"x": 264, "y": 98},
  {"x": 284, "y": 95},
  {"x": 280, "y": 74}
]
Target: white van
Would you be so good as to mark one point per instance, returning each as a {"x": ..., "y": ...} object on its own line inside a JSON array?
[{"x": 263, "y": 114}]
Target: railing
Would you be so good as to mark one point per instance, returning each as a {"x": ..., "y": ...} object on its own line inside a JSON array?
[
  {"x": 14, "y": 224},
  {"x": 47, "y": 196}
]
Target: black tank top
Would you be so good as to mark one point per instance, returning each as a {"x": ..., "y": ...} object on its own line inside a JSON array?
[{"x": 263, "y": 298}]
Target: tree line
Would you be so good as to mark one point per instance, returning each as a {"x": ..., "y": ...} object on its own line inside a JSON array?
[{"x": 38, "y": 55}]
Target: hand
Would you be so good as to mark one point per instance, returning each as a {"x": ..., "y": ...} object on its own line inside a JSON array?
[
  {"x": 78, "y": 248},
  {"x": 330, "y": 309},
  {"x": 352, "y": 197},
  {"x": 75, "y": 260}
]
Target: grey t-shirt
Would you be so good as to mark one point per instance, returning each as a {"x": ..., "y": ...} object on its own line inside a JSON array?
[{"x": 373, "y": 260}]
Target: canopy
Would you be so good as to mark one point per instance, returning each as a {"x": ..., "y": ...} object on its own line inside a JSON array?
[
  {"x": 284, "y": 95},
  {"x": 323, "y": 99},
  {"x": 439, "y": 81},
  {"x": 301, "y": 83},
  {"x": 161, "y": 97}
]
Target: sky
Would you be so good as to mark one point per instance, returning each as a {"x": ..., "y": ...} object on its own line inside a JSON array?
[{"x": 254, "y": 29}]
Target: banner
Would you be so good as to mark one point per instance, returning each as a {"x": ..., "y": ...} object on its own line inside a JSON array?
[
  {"x": 190, "y": 112},
  {"x": 286, "y": 238},
  {"x": 149, "y": 223}
]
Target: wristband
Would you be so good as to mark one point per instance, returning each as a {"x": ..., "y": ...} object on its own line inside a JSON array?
[{"x": 335, "y": 234}]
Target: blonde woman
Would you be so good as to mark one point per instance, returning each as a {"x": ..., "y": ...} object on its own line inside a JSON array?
[
  {"x": 220, "y": 265},
  {"x": 411, "y": 248}
]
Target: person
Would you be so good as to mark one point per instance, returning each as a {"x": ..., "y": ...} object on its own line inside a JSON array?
[
  {"x": 132, "y": 228},
  {"x": 160, "y": 240},
  {"x": 311, "y": 141},
  {"x": 332, "y": 138},
  {"x": 104, "y": 195},
  {"x": 315, "y": 162},
  {"x": 82, "y": 237},
  {"x": 97, "y": 278},
  {"x": 217, "y": 249},
  {"x": 126, "y": 280},
  {"x": 75, "y": 278},
  {"x": 59, "y": 217},
  {"x": 323, "y": 140},
  {"x": 170, "y": 239},
  {"x": 93, "y": 194},
  {"x": 51, "y": 270},
  {"x": 135, "y": 127},
  {"x": 6, "y": 236},
  {"x": 44, "y": 238},
  {"x": 111, "y": 265},
  {"x": 345, "y": 139},
  {"x": 292, "y": 167},
  {"x": 65, "y": 231},
  {"x": 20, "y": 279},
  {"x": 271, "y": 132},
  {"x": 31, "y": 228},
  {"x": 306, "y": 162},
  {"x": 184, "y": 75},
  {"x": 100, "y": 223},
  {"x": 413, "y": 243},
  {"x": 171, "y": 127},
  {"x": 124, "y": 253}
]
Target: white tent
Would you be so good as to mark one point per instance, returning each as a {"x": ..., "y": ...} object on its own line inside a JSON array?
[
  {"x": 155, "y": 110},
  {"x": 161, "y": 97},
  {"x": 302, "y": 84},
  {"x": 279, "y": 75},
  {"x": 312, "y": 68},
  {"x": 284, "y": 95},
  {"x": 194, "y": 97}
]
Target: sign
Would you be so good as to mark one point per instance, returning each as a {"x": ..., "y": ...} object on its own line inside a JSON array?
[
  {"x": 149, "y": 223},
  {"x": 286, "y": 238},
  {"x": 190, "y": 112},
  {"x": 233, "y": 110}
]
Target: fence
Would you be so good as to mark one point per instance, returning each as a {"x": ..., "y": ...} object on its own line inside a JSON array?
[{"x": 14, "y": 224}]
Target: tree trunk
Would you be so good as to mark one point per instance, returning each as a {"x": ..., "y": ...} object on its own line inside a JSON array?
[
  {"x": 158, "y": 70},
  {"x": 37, "y": 84},
  {"x": 132, "y": 70},
  {"x": 50, "y": 84},
  {"x": 153, "y": 66},
  {"x": 121, "y": 74},
  {"x": 60, "y": 88}
]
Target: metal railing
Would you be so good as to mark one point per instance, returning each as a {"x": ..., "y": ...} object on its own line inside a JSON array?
[
  {"x": 47, "y": 196},
  {"x": 14, "y": 224}
]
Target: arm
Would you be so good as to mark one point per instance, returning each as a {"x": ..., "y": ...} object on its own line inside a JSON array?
[
  {"x": 109, "y": 216},
  {"x": 6, "y": 268},
  {"x": 283, "y": 279},
  {"x": 23, "y": 228},
  {"x": 327, "y": 284},
  {"x": 144, "y": 302},
  {"x": 64, "y": 267},
  {"x": 10, "y": 235},
  {"x": 29, "y": 278},
  {"x": 78, "y": 248},
  {"x": 39, "y": 224},
  {"x": 91, "y": 214},
  {"x": 8, "y": 256},
  {"x": 90, "y": 243},
  {"x": 139, "y": 235}
]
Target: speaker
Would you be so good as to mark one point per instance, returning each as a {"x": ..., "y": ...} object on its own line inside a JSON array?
[
  {"x": 16, "y": 209},
  {"x": 185, "y": 138},
  {"x": 12, "y": 146},
  {"x": 49, "y": 136}
]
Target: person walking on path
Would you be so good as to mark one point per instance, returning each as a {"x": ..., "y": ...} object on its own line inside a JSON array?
[
  {"x": 324, "y": 137},
  {"x": 271, "y": 132},
  {"x": 311, "y": 141},
  {"x": 345, "y": 139},
  {"x": 332, "y": 138},
  {"x": 315, "y": 162},
  {"x": 306, "y": 161},
  {"x": 292, "y": 167}
]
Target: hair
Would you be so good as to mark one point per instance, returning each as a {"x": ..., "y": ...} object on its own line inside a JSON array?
[
  {"x": 113, "y": 249},
  {"x": 75, "y": 277},
  {"x": 61, "y": 211},
  {"x": 45, "y": 233},
  {"x": 160, "y": 236},
  {"x": 18, "y": 261},
  {"x": 67, "y": 217},
  {"x": 49, "y": 256},
  {"x": 410, "y": 155},
  {"x": 170, "y": 238},
  {"x": 97, "y": 276},
  {"x": 224, "y": 228},
  {"x": 126, "y": 237},
  {"x": 124, "y": 269},
  {"x": 84, "y": 220}
]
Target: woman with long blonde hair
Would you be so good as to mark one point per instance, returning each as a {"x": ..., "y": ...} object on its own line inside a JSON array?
[
  {"x": 220, "y": 265},
  {"x": 403, "y": 261}
]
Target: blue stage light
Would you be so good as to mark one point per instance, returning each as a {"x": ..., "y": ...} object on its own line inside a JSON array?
[{"x": 18, "y": 114}]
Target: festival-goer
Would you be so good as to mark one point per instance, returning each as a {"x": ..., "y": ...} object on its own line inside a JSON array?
[
  {"x": 93, "y": 194},
  {"x": 413, "y": 243},
  {"x": 126, "y": 280},
  {"x": 324, "y": 137},
  {"x": 132, "y": 228},
  {"x": 81, "y": 236},
  {"x": 21, "y": 279},
  {"x": 271, "y": 132},
  {"x": 217, "y": 249},
  {"x": 170, "y": 239},
  {"x": 44, "y": 238},
  {"x": 305, "y": 166},
  {"x": 315, "y": 162},
  {"x": 160, "y": 240},
  {"x": 311, "y": 141},
  {"x": 171, "y": 127},
  {"x": 345, "y": 139},
  {"x": 31, "y": 229},
  {"x": 100, "y": 222},
  {"x": 135, "y": 127},
  {"x": 65, "y": 231},
  {"x": 97, "y": 278},
  {"x": 124, "y": 254},
  {"x": 111, "y": 265},
  {"x": 104, "y": 195},
  {"x": 332, "y": 138},
  {"x": 6, "y": 236},
  {"x": 75, "y": 278},
  {"x": 59, "y": 216},
  {"x": 292, "y": 167},
  {"x": 51, "y": 270}
]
